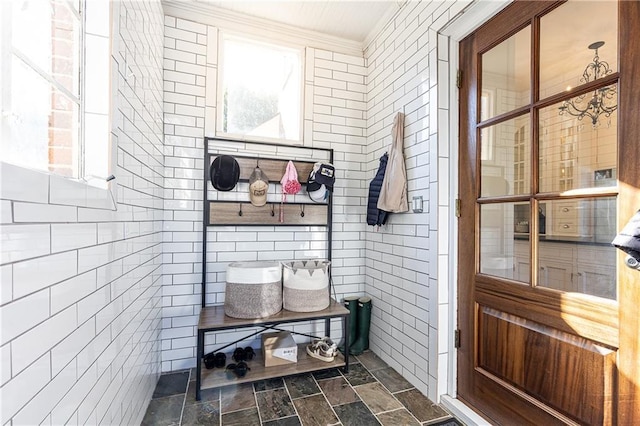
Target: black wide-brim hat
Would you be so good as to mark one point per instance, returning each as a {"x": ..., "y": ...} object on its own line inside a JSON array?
[{"x": 224, "y": 173}]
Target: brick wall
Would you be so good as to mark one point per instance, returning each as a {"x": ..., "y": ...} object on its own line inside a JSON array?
[
  {"x": 81, "y": 284},
  {"x": 63, "y": 119}
]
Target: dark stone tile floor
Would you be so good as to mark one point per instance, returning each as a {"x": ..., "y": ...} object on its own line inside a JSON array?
[{"x": 372, "y": 393}]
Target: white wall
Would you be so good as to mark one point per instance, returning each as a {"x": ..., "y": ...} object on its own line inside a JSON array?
[
  {"x": 80, "y": 287},
  {"x": 408, "y": 259},
  {"x": 350, "y": 104},
  {"x": 110, "y": 357},
  {"x": 334, "y": 118}
]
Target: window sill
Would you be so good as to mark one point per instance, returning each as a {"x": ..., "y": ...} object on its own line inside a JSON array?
[
  {"x": 257, "y": 139},
  {"x": 22, "y": 184}
]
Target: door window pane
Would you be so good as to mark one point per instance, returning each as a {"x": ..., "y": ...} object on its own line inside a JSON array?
[
  {"x": 565, "y": 36},
  {"x": 505, "y": 158},
  {"x": 575, "y": 154},
  {"x": 575, "y": 254},
  {"x": 506, "y": 75},
  {"x": 504, "y": 252}
]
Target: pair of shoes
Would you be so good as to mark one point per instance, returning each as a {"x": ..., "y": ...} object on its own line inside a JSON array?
[
  {"x": 217, "y": 360},
  {"x": 239, "y": 370},
  {"x": 323, "y": 349},
  {"x": 245, "y": 354},
  {"x": 359, "y": 322}
]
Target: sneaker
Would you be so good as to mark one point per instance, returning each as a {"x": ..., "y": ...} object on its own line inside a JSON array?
[{"x": 323, "y": 349}]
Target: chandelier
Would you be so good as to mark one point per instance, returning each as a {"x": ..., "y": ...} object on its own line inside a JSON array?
[{"x": 603, "y": 100}]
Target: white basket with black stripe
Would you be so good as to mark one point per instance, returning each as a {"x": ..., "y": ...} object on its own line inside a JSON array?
[{"x": 306, "y": 285}]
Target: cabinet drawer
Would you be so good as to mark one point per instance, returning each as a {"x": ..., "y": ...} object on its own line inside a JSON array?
[
  {"x": 565, "y": 228},
  {"x": 565, "y": 211}
]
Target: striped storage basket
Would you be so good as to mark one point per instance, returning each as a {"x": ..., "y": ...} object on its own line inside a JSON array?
[
  {"x": 253, "y": 289},
  {"x": 306, "y": 285}
]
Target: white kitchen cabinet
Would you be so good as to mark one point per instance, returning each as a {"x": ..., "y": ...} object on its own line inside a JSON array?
[
  {"x": 596, "y": 271},
  {"x": 568, "y": 266},
  {"x": 570, "y": 218},
  {"x": 556, "y": 274},
  {"x": 596, "y": 280},
  {"x": 521, "y": 261}
]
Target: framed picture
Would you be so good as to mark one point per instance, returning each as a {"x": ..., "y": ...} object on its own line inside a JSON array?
[{"x": 604, "y": 174}]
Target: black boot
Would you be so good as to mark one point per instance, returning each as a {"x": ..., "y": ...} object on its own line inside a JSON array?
[
  {"x": 364, "y": 319},
  {"x": 351, "y": 303}
]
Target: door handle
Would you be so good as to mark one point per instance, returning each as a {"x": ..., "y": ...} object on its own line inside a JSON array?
[
  {"x": 582, "y": 282},
  {"x": 631, "y": 262}
]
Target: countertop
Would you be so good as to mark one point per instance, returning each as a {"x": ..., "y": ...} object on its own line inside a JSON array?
[{"x": 564, "y": 239}]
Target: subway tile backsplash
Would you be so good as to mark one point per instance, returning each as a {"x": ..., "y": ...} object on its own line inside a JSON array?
[
  {"x": 81, "y": 278},
  {"x": 96, "y": 300},
  {"x": 191, "y": 53}
]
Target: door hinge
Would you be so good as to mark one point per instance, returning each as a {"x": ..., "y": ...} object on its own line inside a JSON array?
[
  {"x": 459, "y": 79},
  {"x": 456, "y": 339},
  {"x": 458, "y": 202}
]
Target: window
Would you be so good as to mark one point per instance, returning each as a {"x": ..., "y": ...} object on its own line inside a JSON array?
[
  {"x": 55, "y": 91},
  {"x": 260, "y": 91}
]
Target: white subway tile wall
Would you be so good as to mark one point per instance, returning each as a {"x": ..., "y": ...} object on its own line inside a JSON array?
[
  {"x": 334, "y": 118},
  {"x": 81, "y": 285},
  {"x": 406, "y": 268},
  {"x": 95, "y": 303}
]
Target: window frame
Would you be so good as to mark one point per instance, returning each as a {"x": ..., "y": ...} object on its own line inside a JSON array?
[
  {"x": 85, "y": 190},
  {"x": 219, "y": 132}
]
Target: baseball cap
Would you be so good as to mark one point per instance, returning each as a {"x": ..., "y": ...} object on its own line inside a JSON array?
[
  {"x": 258, "y": 186},
  {"x": 224, "y": 173},
  {"x": 318, "y": 193},
  {"x": 326, "y": 175}
]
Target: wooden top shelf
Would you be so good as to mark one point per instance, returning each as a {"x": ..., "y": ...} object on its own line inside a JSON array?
[{"x": 214, "y": 318}]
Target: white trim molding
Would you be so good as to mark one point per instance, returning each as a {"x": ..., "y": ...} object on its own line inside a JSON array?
[
  {"x": 263, "y": 28},
  {"x": 452, "y": 32}
]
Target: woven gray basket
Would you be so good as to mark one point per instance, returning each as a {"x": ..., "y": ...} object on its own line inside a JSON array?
[{"x": 253, "y": 290}]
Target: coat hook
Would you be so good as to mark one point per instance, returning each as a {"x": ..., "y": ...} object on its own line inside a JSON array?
[
  {"x": 301, "y": 210},
  {"x": 240, "y": 211},
  {"x": 273, "y": 212}
]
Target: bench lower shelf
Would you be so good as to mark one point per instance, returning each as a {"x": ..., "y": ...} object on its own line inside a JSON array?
[{"x": 217, "y": 377}]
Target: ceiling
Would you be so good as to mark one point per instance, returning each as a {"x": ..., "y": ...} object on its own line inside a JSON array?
[{"x": 351, "y": 20}]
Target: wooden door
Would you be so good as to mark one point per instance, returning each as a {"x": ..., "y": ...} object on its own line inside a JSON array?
[{"x": 538, "y": 347}]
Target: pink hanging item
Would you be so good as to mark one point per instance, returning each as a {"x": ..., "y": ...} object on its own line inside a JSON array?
[
  {"x": 289, "y": 181},
  {"x": 290, "y": 185}
]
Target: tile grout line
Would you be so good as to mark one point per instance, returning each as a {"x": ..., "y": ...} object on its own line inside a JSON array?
[
  {"x": 184, "y": 400},
  {"x": 255, "y": 398},
  {"x": 353, "y": 388},
  {"x": 327, "y": 399},
  {"x": 295, "y": 410},
  {"x": 390, "y": 393}
]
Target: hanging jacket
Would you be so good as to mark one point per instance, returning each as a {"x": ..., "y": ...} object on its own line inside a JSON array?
[
  {"x": 374, "y": 215},
  {"x": 393, "y": 194}
]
